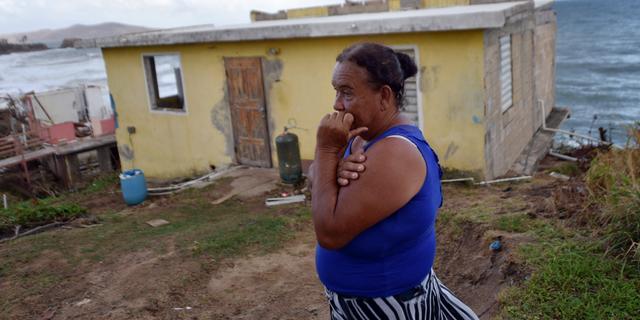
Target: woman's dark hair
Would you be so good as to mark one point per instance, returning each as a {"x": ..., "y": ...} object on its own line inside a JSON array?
[{"x": 384, "y": 65}]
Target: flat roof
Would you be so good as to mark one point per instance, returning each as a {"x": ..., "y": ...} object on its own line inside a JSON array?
[
  {"x": 543, "y": 4},
  {"x": 483, "y": 16}
]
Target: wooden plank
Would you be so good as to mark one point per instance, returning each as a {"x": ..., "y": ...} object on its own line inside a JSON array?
[
  {"x": 15, "y": 160},
  {"x": 86, "y": 144},
  {"x": 248, "y": 110}
]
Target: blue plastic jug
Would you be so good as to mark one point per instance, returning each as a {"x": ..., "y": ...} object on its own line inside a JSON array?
[{"x": 133, "y": 186}]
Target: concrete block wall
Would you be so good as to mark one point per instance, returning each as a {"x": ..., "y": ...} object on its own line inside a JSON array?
[
  {"x": 509, "y": 132},
  {"x": 545, "y": 60},
  {"x": 322, "y": 11}
]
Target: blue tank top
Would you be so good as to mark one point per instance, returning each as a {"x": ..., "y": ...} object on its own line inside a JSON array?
[{"x": 397, "y": 253}]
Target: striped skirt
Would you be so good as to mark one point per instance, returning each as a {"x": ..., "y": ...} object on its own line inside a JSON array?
[{"x": 430, "y": 300}]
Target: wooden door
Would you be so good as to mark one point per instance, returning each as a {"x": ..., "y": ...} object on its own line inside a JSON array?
[{"x": 248, "y": 111}]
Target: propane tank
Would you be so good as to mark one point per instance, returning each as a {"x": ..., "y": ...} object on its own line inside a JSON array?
[{"x": 289, "y": 161}]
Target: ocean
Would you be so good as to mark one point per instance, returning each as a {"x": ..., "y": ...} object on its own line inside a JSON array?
[
  {"x": 598, "y": 65},
  {"x": 597, "y": 72}
]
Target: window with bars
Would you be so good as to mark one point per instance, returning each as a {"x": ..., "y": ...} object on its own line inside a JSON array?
[
  {"x": 506, "y": 74},
  {"x": 411, "y": 103}
]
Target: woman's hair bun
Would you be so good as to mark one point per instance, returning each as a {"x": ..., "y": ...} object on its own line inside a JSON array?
[{"x": 407, "y": 64}]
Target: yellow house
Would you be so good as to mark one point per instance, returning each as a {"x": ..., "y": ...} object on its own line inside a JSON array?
[{"x": 194, "y": 98}]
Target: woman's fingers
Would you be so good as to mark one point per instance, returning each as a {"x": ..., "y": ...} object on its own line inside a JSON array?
[
  {"x": 357, "y": 132},
  {"x": 352, "y": 166},
  {"x": 343, "y": 182}
]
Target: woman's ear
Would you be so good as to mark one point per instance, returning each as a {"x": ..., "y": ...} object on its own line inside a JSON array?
[{"x": 386, "y": 97}]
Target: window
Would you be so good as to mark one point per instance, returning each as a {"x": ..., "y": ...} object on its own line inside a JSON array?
[
  {"x": 164, "y": 82},
  {"x": 411, "y": 106},
  {"x": 506, "y": 74}
]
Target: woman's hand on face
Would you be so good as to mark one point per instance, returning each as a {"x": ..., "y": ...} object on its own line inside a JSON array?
[
  {"x": 351, "y": 167},
  {"x": 334, "y": 132}
]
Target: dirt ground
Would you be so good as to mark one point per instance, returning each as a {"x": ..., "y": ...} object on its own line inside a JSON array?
[{"x": 173, "y": 283}]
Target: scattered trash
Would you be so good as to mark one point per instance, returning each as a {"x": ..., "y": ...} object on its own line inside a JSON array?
[
  {"x": 285, "y": 200},
  {"x": 4, "y": 201},
  {"x": 83, "y": 302},
  {"x": 180, "y": 309},
  {"x": 496, "y": 245},
  {"x": 560, "y": 176},
  {"x": 157, "y": 222},
  {"x": 284, "y": 194}
]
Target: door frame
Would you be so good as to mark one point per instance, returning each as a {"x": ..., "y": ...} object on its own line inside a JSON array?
[{"x": 267, "y": 138}]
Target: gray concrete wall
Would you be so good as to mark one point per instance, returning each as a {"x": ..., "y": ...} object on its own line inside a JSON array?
[
  {"x": 545, "y": 60},
  {"x": 509, "y": 132}
]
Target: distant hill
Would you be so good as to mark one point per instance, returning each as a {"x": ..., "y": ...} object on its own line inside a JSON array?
[{"x": 54, "y": 37}]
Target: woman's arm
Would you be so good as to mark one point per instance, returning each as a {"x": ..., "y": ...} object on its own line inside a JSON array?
[{"x": 395, "y": 173}]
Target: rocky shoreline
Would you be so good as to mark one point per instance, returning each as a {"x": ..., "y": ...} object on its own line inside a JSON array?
[{"x": 7, "y": 48}]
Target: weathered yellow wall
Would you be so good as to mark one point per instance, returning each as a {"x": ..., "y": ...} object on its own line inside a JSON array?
[
  {"x": 298, "y": 86},
  {"x": 308, "y": 12},
  {"x": 394, "y": 5},
  {"x": 442, "y": 3}
]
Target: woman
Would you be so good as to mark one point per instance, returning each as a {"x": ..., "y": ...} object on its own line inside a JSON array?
[{"x": 375, "y": 226}]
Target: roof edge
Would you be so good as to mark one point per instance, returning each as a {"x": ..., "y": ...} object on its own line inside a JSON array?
[{"x": 487, "y": 16}]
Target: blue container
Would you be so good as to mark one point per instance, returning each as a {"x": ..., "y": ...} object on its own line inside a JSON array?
[{"x": 133, "y": 186}]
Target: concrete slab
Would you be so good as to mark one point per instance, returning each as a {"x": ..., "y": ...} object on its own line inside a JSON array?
[
  {"x": 435, "y": 19},
  {"x": 540, "y": 144},
  {"x": 250, "y": 182}
]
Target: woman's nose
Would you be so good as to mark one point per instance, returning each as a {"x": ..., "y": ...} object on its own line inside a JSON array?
[{"x": 338, "y": 106}]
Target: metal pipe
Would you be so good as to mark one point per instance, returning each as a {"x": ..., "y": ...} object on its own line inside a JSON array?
[
  {"x": 544, "y": 127},
  {"x": 562, "y": 156},
  {"x": 458, "y": 180},
  {"x": 503, "y": 180},
  {"x": 4, "y": 201}
]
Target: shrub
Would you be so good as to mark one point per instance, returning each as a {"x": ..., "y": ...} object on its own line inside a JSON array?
[{"x": 613, "y": 182}]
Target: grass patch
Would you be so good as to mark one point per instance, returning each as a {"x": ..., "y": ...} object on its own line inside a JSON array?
[
  {"x": 573, "y": 281},
  {"x": 267, "y": 232},
  {"x": 38, "y": 212},
  {"x": 592, "y": 271},
  {"x": 101, "y": 183},
  {"x": 569, "y": 169},
  {"x": 613, "y": 181},
  {"x": 519, "y": 222}
]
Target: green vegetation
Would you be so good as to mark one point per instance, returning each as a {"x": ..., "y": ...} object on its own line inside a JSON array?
[
  {"x": 568, "y": 168},
  {"x": 614, "y": 186},
  {"x": 38, "y": 212},
  {"x": 593, "y": 271},
  {"x": 101, "y": 183},
  {"x": 573, "y": 280}
]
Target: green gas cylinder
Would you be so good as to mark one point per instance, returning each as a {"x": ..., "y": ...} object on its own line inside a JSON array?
[{"x": 289, "y": 161}]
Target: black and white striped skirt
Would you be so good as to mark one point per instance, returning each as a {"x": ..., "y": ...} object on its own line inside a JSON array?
[{"x": 430, "y": 300}]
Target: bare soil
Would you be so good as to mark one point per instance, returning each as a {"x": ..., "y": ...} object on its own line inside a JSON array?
[{"x": 170, "y": 283}]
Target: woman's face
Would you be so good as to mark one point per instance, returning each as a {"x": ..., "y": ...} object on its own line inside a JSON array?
[{"x": 354, "y": 94}]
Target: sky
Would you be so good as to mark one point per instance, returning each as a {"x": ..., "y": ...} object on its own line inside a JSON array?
[{"x": 30, "y": 15}]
